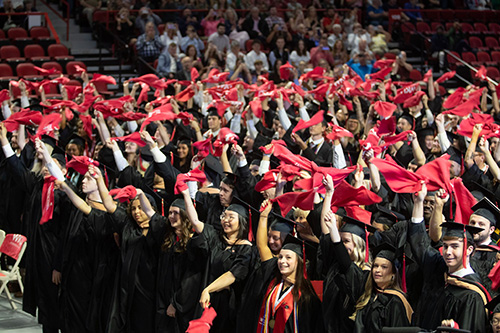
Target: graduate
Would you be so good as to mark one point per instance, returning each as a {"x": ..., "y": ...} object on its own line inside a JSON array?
[
  {"x": 229, "y": 257},
  {"x": 494, "y": 308},
  {"x": 90, "y": 257},
  {"x": 178, "y": 273},
  {"x": 450, "y": 284},
  {"x": 45, "y": 232},
  {"x": 279, "y": 297},
  {"x": 346, "y": 262},
  {"x": 141, "y": 233}
]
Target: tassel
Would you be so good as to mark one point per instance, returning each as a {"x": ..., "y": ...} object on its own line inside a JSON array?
[
  {"x": 367, "y": 253},
  {"x": 171, "y": 158},
  {"x": 162, "y": 207},
  {"x": 304, "y": 259},
  {"x": 173, "y": 133},
  {"x": 403, "y": 278},
  {"x": 106, "y": 180},
  {"x": 250, "y": 230},
  {"x": 464, "y": 255}
]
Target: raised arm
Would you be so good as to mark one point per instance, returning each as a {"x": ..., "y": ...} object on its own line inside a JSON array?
[
  {"x": 107, "y": 200},
  {"x": 493, "y": 166},
  {"x": 441, "y": 197},
  {"x": 261, "y": 238},
  {"x": 418, "y": 153},
  {"x": 327, "y": 203},
  {"x": 192, "y": 214},
  {"x": 75, "y": 199},
  {"x": 145, "y": 204},
  {"x": 469, "y": 154}
]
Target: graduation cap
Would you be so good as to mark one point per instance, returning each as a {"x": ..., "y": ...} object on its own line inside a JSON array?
[
  {"x": 302, "y": 248},
  {"x": 455, "y": 155},
  {"x": 409, "y": 118},
  {"x": 48, "y": 140},
  {"x": 459, "y": 230},
  {"x": 387, "y": 216},
  {"x": 237, "y": 208},
  {"x": 179, "y": 203},
  {"x": 423, "y": 132},
  {"x": 396, "y": 256},
  {"x": 494, "y": 305},
  {"x": 281, "y": 225},
  {"x": 212, "y": 112},
  {"x": 488, "y": 210},
  {"x": 479, "y": 192},
  {"x": 77, "y": 140},
  {"x": 153, "y": 197},
  {"x": 358, "y": 228},
  {"x": 230, "y": 179}
]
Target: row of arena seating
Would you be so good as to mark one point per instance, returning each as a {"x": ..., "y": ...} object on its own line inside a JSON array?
[
  {"x": 28, "y": 71},
  {"x": 475, "y": 28},
  {"x": 20, "y": 37},
  {"x": 34, "y": 52}
]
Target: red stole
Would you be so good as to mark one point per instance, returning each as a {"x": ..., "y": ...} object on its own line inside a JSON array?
[
  {"x": 275, "y": 311},
  {"x": 47, "y": 199}
]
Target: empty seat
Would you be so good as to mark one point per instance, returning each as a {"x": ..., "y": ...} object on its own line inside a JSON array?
[
  {"x": 493, "y": 73},
  {"x": 35, "y": 53},
  {"x": 27, "y": 70},
  {"x": 38, "y": 32},
  {"x": 19, "y": 37},
  {"x": 491, "y": 43},
  {"x": 102, "y": 88},
  {"x": 495, "y": 27},
  {"x": 469, "y": 57},
  {"x": 10, "y": 53},
  {"x": 71, "y": 68},
  {"x": 481, "y": 27},
  {"x": 6, "y": 73},
  {"x": 423, "y": 28},
  {"x": 452, "y": 62},
  {"x": 476, "y": 42},
  {"x": 52, "y": 64},
  {"x": 495, "y": 56},
  {"x": 484, "y": 58},
  {"x": 59, "y": 52},
  {"x": 466, "y": 27}
]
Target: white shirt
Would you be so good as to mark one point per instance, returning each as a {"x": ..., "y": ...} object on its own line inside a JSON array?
[
  {"x": 463, "y": 272},
  {"x": 252, "y": 57},
  {"x": 295, "y": 59},
  {"x": 167, "y": 40},
  {"x": 231, "y": 59}
]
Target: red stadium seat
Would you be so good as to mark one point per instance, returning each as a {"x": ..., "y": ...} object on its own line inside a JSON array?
[
  {"x": 415, "y": 75},
  {"x": 452, "y": 62},
  {"x": 476, "y": 43},
  {"x": 59, "y": 52},
  {"x": 161, "y": 28},
  {"x": 469, "y": 57},
  {"x": 495, "y": 56},
  {"x": 466, "y": 27},
  {"x": 423, "y": 28},
  {"x": 37, "y": 32},
  {"x": 14, "y": 33},
  {"x": 481, "y": 27},
  {"x": 495, "y": 27},
  {"x": 27, "y": 70},
  {"x": 6, "y": 73},
  {"x": 484, "y": 58},
  {"x": 449, "y": 25},
  {"x": 102, "y": 88},
  {"x": 435, "y": 25},
  {"x": 11, "y": 53},
  {"x": 74, "y": 83},
  {"x": 71, "y": 69},
  {"x": 389, "y": 55},
  {"x": 52, "y": 64},
  {"x": 491, "y": 43},
  {"x": 493, "y": 73},
  {"x": 35, "y": 53}
]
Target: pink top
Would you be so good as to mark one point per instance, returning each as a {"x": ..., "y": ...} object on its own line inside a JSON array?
[{"x": 209, "y": 27}]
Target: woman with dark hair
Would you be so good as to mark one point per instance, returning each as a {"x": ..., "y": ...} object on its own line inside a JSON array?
[
  {"x": 176, "y": 279},
  {"x": 300, "y": 54},
  {"x": 184, "y": 156},
  {"x": 279, "y": 297},
  {"x": 228, "y": 255},
  {"x": 275, "y": 74},
  {"x": 141, "y": 234}
]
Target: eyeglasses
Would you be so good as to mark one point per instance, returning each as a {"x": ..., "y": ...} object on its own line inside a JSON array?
[
  {"x": 495, "y": 322},
  {"x": 230, "y": 218}
]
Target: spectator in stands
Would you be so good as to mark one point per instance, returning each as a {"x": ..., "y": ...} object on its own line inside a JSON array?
[
  {"x": 168, "y": 62},
  {"x": 401, "y": 67},
  {"x": 300, "y": 54},
  {"x": 457, "y": 39},
  {"x": 349, "y": 21},
  {"x": 193, "y": 54},
  {"x": 89, "y": 7},
  {"x": 184, "y": 73},
  {"x": 329, "y": 20},
  {"x": 379, "y": 38},
  {"x": 220, "y": 39},
  {"x": 146, "y": 16},
  {"x": 413, "y": 16},
  {"x": 241, "y": 72},
  {"x": 312, "y": 20},
  {"x": 188, "y": 19},
  {"x": 143, "y": 3},
  {"x": 277, "y": 32},
  {"x": 336, "y": 35},
  {"x": 149, "y": 45},
  {"x": 293, "y": 6},
  {"x": 362, "y": 64},
  {"x": 439, "y": 42},
  {"x": 211, "y": 22},
  {"x": 169, "y": 5},
  {"x": 322, "y": 51},
  {"x": 356, "y": 36},
  {"x": 192, "y": 38},
  {"x": 274, "y": 18},
  {"x": 256, "y": 54},
  {"x": 211, "y": 52},
  {"x": 234, "y": 27},
  {"x": 279, "y": 52},
  {"x": 478, "y": 4},
  {"x": 171, "y": 35},
  {"x": 259, "y": 70},
  {"x": 301, "y": 35},
  {"x": 296, "y": 19},
  {"x": 362, "y": 48},
  {"x": 125, "y": 26},
  {"x": 233, "y": 56},
  {"x": 255, "y": 25},
  {"x": 339, "y": 53},
  {"x": 376, "y": 13}
]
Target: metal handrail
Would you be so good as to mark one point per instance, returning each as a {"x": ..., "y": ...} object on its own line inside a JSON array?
[{"x": 66, "y": 20}]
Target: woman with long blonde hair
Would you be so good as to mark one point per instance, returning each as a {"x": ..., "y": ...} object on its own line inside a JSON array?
[{"x": 346, "y": 264}]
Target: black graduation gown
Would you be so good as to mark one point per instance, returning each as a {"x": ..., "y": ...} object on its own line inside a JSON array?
[
  {"x": 344, "y": 283},
  {"x": 43, "y": 244},
  {"x": 83, "y": 282},
  {"x": 465, "y": 306},
  {"x": 221, "y": 258},
  {"x": 383, "y": 310},
  {"x": 209, "y": 209},
  {"x": 178, "y": 283},
  {"x": 134, "y": 305},
  {"x": 310, "y": 316},
  {"x": 482, "y": 261},
  {"x": 322, "y": 156}
]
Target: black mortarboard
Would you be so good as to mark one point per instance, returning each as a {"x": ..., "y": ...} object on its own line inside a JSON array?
[
  {"x": 488, "y": 210},
  {"x": 299, "y": 247},
  {"x": 48, "y": 140},
  {"x": 281, "y": 225},
  {"x": 59, "y": 158},
  {"x": 213, "y": 170},
  {"x": 151, "y": 129},
  {"x": 145, "y": 154},
  {"x": 353, "y": 116},
  {"x": 36, "y": 107},
  {"x": 455, "y": 155},
  {"x": 479, "y": 192},
  {"x": 395, "y": 255},
  {"x": 77, "y": 140},
  {"x": 386, "y": 216},
  {"x": 230, "y": 179},
  {"x": 356, "y": 227},
  {"x": 242, "y": 211},
  {"x": 423, "y": 132},
  {"x": 152, "y": 196},
  {"x": 386, "y": 251},
  {"x": 212, "y": 112},
  {"x": 494, "y": 305},
  {"x": 453, "y": 229},
  {"x": 179, "y": 203},
  {"x": 451, "y": 136}
]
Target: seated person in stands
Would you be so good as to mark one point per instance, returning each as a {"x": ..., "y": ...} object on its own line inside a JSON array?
[
  {"x": 146, "y": 16},
  {"x": 148, "y": 44},
  {"x": 376, "y": 14},
  {"x": 192, "y": 38},
  {"x": 256, "y": 54},
  {"x": 89, "y": 6},
  {"x": 168, "y": 62}
]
